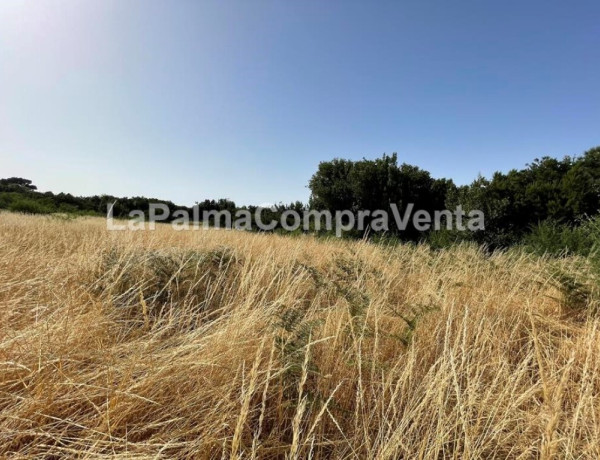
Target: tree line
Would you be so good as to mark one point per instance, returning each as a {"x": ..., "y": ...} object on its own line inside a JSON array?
[
  {"x": 548, "y": 191},
  {"x": 548, "y": 195},
  {"x": 21, "y": 195}
]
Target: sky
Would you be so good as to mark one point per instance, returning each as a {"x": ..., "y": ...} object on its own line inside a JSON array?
[{"x": 188, "y": 100}]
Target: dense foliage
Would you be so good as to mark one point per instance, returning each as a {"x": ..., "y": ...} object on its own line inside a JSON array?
[{"x": 559, "y": 195}]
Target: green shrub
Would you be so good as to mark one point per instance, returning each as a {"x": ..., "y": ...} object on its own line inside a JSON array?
[
  {"x": 29, "y": 206},
  {"x": 556, "y": 239},
  {"x": 440, "y": 239}
]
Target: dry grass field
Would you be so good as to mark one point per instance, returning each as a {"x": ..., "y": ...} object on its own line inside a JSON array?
[{"x": 224, "y": 344}]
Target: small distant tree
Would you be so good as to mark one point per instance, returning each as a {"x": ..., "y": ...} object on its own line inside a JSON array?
[{"x": 16, "y": 184}]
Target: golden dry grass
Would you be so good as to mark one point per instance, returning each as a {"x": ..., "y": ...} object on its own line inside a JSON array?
[{"x": 216, "y": 344}]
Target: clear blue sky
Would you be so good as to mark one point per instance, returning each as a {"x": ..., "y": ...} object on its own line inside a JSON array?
[{"x": 186, "y": 100}]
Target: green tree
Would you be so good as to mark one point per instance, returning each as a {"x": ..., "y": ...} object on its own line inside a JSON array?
[{"x": 16, "y": 184}]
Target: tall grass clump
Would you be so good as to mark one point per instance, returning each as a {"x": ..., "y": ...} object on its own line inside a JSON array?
[{"x": 227, "y": 344}]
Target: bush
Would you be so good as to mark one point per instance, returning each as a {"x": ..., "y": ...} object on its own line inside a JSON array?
[
  {"x": 29, "y": 206},
  {"x": 552, "y": 238},
  {"x": 446, "y": 238}
]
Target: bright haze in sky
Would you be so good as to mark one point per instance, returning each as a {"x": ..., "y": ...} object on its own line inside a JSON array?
[{"x": 187, "y": 100}]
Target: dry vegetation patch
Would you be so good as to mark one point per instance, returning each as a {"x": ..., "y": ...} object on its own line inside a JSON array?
[{"x": 215, "y": 344}]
